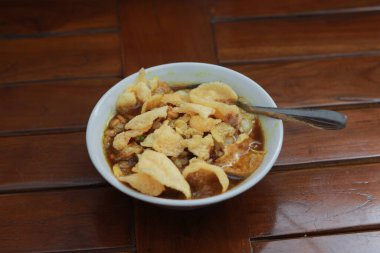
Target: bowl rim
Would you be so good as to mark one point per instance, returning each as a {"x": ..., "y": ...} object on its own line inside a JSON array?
[{"x": 176, "y": 202}]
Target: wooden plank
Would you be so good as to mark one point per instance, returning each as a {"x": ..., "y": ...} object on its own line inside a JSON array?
[
  {"x": 169, "y": 31},
  {"x": 45, "y": 104},
  {"x": 360, "y": 139},
  {"x": 66, "y": 220},
  {"x": 326, "y": 82},
  {"x": 302, "y": 146},
  {"x": 45, "y": 161},
  {"x": 349, "y": 243},
  {"x": 59, "y": 57},
  {"x": 46, "y": 16},
  {"x": 308, "y": 37},
  {"x": 286, "y": 202},
  {"x": 249, "y": 8}
]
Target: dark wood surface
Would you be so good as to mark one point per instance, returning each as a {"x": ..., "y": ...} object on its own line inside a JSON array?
[
  {"x": 46, "y": 17},
  {"x": 58, "y": 57},
  {"x": 301, "y": 37},
  {"x": 45, "y": 100},
  {"x": 225, "y": 9}
]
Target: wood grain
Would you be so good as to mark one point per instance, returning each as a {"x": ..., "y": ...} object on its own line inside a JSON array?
[
  {"x": 350, "y": 243},
  {"x": 283, "y": 203},
  {"x": 249, "y": 8},
  {"x": 319, "y": 82},
  {"x": 39, "y": 159},
  {"x": 303, "y": 144},
  {"x": 45, "y": 161},
  {"x": 169, "y": 31},
  {"x": 297, "y": 37},
  {"x": 41, "y": 105},
  {"x": 59, "y": 57},
  {"x": 65, "y": 220},
  {"x": 45, "y": 16}
]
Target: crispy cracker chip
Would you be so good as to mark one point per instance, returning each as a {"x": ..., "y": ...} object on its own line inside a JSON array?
[
  {"x": 144, "y": 121},
  {"x": 215, "y": 91},
  {"x": 117, "y": 171},
  {"x": 153, "y": 83},
  {"x": 125, "y": 101},
  {"x": 202, "y": 124},
  {"x": 162, "y": 88},
  {"x": 165, "y": 140},
  {"x": 184, "y": 95},
  {"x": 200, "y": 147},
  {"x": 162, "y": 169},
  {"x": 180, "y": 126},
  {"x": 192, "y": 109},
  {"x": 197, "y": 164},
  {"x": 173, "y": 98},
  {"x": 216, "y": 95},
  {"x": 183, "y": 129},
  {"x": 222, "y": 131},
  {"x": 130, "y": 150},
  {"x": 143, "y": 93},
  {"x": 153, "y": 102},
  {"x": 143, "y": 183},
  {"x": 122, "y": 139}
]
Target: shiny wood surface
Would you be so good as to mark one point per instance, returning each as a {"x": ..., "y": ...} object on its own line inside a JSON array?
[
  {"x": 58, "y": 57},
  {"x": 250, "y": 9},
  {"x": 44, "y": 17},
  {"x": 349, "y": 243},
  {"x": 333, "y": 82},
  {"x": 44, "y": 100},
  {"x": 301, "y": 37},
  {"x": 65, "y": 220}
]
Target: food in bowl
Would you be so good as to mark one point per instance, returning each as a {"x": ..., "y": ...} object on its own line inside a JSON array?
[{"x": 182, "y": 143}]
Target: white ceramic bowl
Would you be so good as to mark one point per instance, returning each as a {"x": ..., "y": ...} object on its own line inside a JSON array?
[{"x": 186, "y": 72}]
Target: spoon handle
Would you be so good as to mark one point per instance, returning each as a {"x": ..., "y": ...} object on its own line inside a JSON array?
[{"x": 323, "y": 119}]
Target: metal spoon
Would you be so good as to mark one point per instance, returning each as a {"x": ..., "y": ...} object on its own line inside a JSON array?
[{"x": 317, "y": 118}]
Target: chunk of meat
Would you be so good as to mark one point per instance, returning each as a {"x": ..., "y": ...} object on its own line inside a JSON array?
[
  {"x": 233, "y": 152},
  {"x": 246, "y": 164}
]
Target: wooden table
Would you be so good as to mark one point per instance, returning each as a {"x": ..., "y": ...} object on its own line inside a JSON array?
[{"x": 58, "y": 57}]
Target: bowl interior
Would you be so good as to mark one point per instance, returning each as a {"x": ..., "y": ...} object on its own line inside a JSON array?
[{"x": 186, "y": 73}]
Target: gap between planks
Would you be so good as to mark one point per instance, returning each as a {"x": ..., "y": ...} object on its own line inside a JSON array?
[
  {"x": 59, "y": 34},
  {"x": 338, "y": 231},
  {"x": 130, "y": 249},
  {"x": 275, "y": 169},
  {"x": 354, "y": 103},
  {"x": 300, "y": 58},
  {"x": 226, "y": 19}
]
